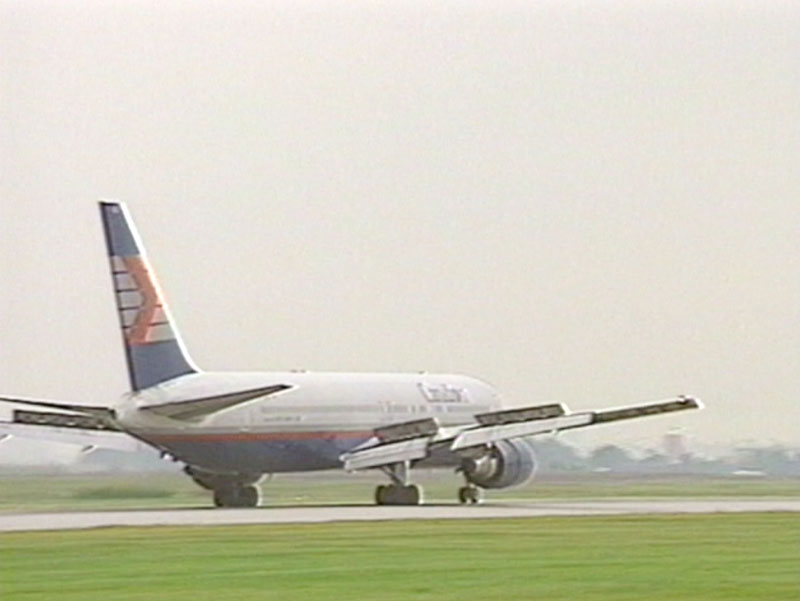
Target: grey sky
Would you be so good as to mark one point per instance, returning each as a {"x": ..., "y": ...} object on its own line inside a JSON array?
[{"x": 595, "y": 202}]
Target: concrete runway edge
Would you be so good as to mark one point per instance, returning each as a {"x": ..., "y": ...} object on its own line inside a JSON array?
[{"x": 288, "y": 515}]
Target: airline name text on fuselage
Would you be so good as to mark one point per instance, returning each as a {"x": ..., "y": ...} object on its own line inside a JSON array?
[{"x": 443, "y": 393}]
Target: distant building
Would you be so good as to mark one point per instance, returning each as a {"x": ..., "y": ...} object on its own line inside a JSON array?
[{"x": 675, "y": 446}]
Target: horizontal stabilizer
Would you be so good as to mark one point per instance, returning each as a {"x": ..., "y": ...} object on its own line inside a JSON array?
[{"x": 195, "y": 409}]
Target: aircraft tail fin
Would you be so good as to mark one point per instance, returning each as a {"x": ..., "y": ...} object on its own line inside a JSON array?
[{"x": 153, "y": 347}]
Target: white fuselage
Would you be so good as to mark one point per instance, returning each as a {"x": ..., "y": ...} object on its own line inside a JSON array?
[{"x": 305, "y": 427}]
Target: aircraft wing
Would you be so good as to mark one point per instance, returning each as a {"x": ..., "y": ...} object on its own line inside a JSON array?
[
  {"x": 88, "y": 439},
  {"x": 88, "y": 431},
  {"x": 412, "y": 441},
  {"x": 102, "y": 412}
]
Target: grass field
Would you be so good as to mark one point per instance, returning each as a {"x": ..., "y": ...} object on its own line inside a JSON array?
[
  {"x": 128, "y": 491},
  {"x": 700, "y": 557}
]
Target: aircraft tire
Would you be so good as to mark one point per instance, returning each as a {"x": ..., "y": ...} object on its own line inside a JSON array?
[
  {"x": 221, "y": 497},
  {"x": 398, "y": 495},
  {"x": 236, "y": 496},
  {"x": 411, "y": 494},
  {"x": 468, "y": 494},
  {"x": 248, "y": 496}
]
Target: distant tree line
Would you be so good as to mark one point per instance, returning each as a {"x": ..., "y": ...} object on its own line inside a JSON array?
[
  {"x": 553, "y": 456},
  {"x": 556, "y": 456}
]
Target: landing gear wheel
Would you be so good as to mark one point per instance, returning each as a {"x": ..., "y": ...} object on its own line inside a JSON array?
[
  {"x": 411, "y": 494},
  {"x": 236, "y": 496},
  {"x": 398, "y": 495},
  {"x": 248, "y": 496},
  {"x": 469, "y": 494}
]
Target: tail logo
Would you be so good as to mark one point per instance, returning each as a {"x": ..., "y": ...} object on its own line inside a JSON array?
[{"x": 144, "y": 319}]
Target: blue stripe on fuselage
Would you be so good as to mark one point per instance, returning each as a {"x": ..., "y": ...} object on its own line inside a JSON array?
[{"x": 260, "y": 453}]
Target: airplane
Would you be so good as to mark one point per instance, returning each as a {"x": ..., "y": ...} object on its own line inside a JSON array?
[{"x": 230, "y": 429}]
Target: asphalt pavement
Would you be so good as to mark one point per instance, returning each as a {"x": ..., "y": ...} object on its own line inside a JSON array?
[{"x": 339, "y": 513}]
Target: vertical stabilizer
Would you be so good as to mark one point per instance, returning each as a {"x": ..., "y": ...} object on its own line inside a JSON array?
[{"x": 153, "y": 347}]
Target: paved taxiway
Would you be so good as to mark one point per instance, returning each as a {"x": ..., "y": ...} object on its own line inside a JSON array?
[{"x": 308, "y": 514}]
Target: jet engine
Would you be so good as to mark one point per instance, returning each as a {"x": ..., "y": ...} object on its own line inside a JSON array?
[{"x": 505, "y": 463}]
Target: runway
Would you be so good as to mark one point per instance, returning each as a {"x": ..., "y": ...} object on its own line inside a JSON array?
[{"x": 316, "y": 514}]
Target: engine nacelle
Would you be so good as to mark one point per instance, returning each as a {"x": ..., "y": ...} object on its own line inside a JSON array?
[{"x": 506, "y": 463}]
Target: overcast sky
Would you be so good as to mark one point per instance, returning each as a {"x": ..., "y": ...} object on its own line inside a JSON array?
[{"x": 591, "y": 202}]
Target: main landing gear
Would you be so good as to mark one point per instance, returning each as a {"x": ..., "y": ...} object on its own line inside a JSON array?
[
  {"x": 237, "y": 496},
  {"x": 395, "y": 494},
  {"x": 230, "y": 490},
  {"x": 399, "y": 492},
  {"x": 469, "y": 494}
]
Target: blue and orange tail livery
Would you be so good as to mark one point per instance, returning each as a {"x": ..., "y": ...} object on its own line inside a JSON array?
[{"x": 153, "y": 347}]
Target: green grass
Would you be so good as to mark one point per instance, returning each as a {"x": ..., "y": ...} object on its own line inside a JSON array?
[
  {"x": 120, "y": 491},
  {"x": 129, "y": 491},
  {"x": 700, "y": 557}
]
